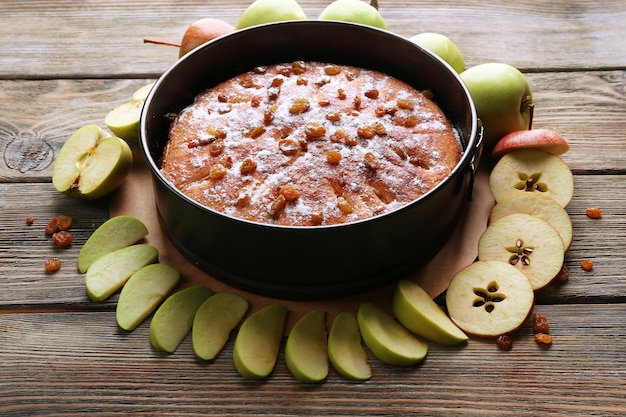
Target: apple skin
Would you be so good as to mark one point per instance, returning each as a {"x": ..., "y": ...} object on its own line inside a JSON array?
[
  {"x": 443, "y": 47},
  {"x": 502, "y": 97},
  {"x": 355, "y": 11},
  {"x": 268, "y": 11},
  {"x": 544, "y": 139},
  {"x": 202, "y": 31}
]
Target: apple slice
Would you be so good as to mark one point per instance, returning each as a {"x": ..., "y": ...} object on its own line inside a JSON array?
[
  {"x": 306, "y": 350},
  {"x": 91, "y": 164},
  {"x": 387, "y": 339},
  {"x": 542, "y": 139},
  {"x": 489, "y": 298},
  {"x": 528, "y": 243},
  {"x": 109, "y": 273},
  {"x": 174, "y": 318},
  {"x": 116, "y": 233},
  {"x": 532, "y": 170},
  {"x": 538, "y": 205},
  {"x": 345, "y": 351},
  {"x": 258, "y": 342},
  {"x": 214, "y": 321},
  {"x": 143, "y": 292},
  {"x": 141, "y": 94},
  {"x": 416, "y": 311},
  {"x": 123, "y": 120}
]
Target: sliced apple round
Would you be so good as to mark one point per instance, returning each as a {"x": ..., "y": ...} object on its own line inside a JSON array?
[
  {"x": 143, "y": 292},
  {"x": 258, "y": 342},
  {"x": 538, "y": 205},
  {"x": 306, "y": 349},
  {"x": 173, "y": 320},
  {"x": 109, "y": 272},
  {"x": 543, "y": 139},
  {"x": 116, "y": 233},
  {"x": 345, "y": 350},
  {"x": 526, "y": 242},
  {"x": 387, "y": 339},
  {"x": 489, "y": 298},
  {"x": 532, "y": 170},
  {"x": 417, "y": 311},
  {"x": 214, "y": 321}
]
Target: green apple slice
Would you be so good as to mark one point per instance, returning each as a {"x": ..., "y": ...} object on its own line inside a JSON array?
[
  {"x": 174, "y": 318},
  {"x": 123, "y": 120},
  {"x": 214, "y": 321},
  {"x": 345, "y": 351},
  {"x": 116, "y": 233},
  {"x": 258, "y": 342},
  {"x": 143, "y": 292},
  {"x": 91, "y": 164},
  {"x": 387, "y": 339},
  {"x": 109, "y": 273},
  {"x": 306, "y": 350},
  {"x": 416, "y": 311},
  {"x": 141, "y": 94}
]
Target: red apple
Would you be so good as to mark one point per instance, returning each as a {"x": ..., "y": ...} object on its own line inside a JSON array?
[{"x": 544, "y": 139}]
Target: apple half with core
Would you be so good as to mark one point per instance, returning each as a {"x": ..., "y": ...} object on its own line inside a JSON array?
[
  {"x": 542, "y": 139},
  {"x": 443, "y": 47},
  {"x": 345, "y": 350},
  {"x": 268, "y": 11},
  {"x": 306, "y": 349},
  {"x": 91, "y": 164},
  {"x": 502, "y": 98}
]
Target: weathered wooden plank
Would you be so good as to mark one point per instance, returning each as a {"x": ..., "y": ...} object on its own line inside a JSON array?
[{"x": 70, "y": 363}]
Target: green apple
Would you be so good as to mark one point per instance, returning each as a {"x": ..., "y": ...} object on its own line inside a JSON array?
[
  {"x": 143, "y": 292},
  {"x": 268, "y": 11},
  {"x": 116, "y": 233},
  {"x": 502, "y": 98},
  {"x": 416, "y": 311},
  {"x": 91, "y": 164},
  {"x": 388, "y": 340},
  {"x": 174, "y": 318},
  {"x": 306, "y": 350},
  {"x": 345, "y": 351},
  {"x": 355, "y": 11},
  {"x": 109, "y": 272},
  {"x": 214, "y": 321},
  {"x": 443, "y": 47},
  {"x": 123, "y": 120},
  {"x": 258, "y": 342}
]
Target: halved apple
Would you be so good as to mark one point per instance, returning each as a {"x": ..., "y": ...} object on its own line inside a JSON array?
[
  {"x": 123, "y": 120},
  {"x": 91, "y": 164},
  {"x": 214, "y": 321},
  {"x": 542, "y": 139},
  {"x": 306, "y": 350},
  {"x": 174, "y": 318},
  {"x": 345, "y": 351},
  {"x": 387, "y": 339},
  {"x": 417, "y": 311}
]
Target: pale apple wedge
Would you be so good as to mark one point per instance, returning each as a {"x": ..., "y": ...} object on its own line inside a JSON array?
[
  {"x": 537, "y": 205},
  {"x": 116, "y": 233},
  {"x": 542, "y": 139},
  {"x": 91, "y": 164},
  {"x": 258, "y": 342},
  {"x": 141, "y": 94},
  {"x": 306, "y": 350},
  {"x": 345, "y": 350},
  {"x": 143, "y": 292},
  {"x": 417, "y": 311},
  {"x": 532, "y": 170},
  {"x": 387, "y": 339},
  {"x": 489, "y": 298},
  {"x": 173, "y": 320},
  {"x": 214, "y": 321},
  {"x": 528, "y": 243},
  {"x": 123, "y": 120}
]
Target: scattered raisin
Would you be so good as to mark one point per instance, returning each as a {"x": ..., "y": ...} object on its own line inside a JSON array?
[
  {"x": 366, "y": 132},
  {"x": 371, "y": 161},
  {"x": 52, "y": 227},
  {"x": 593, "y": 213},
  {"x": 333, "y": 116},
  {"x": 343, "y": 205},
  {"x": 504, "y": 342},
  {"x": 216, "y": 148},
  {"x": 278, "y": 205},
  {"x": 299, "y": 67},
  {"x": 586, "y": 265},
  {"x": 332, "y": 69},
  {"x": 257, "y": 131},
  {"x": 379, "y": 128},
  {"x": 289, "y": 192},
  {"x": 333, "y": 156},
  {"x": 52, "y": 264},
  {"x": 30, "y": 220},
  {"x": 62, "y": 239},
  {"x": 299, "y": 105},
  {"x": 372, "y": 94},
  {"x": 357, "y": 103},
  {"x": 341, "y": 93},
  {"x": 563, "y": 275},
  {"x": 317, "y": 218},
  {"x": 255, "y": 102},
  {"x": 288, "y": 147},
  {"x": 405, "y": 104},
  {"x": 543, "y": 338},
  {"x": 314, "y": 130},
  {"x": 222, "y": 98},
  {"x": 302, "y": 81},
  {"x": 217, "y": 172},
  {"x": 540, "y": 323},
  {"x": 248, "y": 166}
]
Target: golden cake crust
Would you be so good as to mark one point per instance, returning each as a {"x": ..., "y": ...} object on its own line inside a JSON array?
[{"x": 309, "y": 143}]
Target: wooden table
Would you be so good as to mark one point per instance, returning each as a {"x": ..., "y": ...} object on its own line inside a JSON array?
[{"x": 64, "y": 64}]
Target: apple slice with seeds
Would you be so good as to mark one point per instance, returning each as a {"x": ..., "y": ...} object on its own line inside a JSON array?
[
  {"x": 526, "y": 242},
  {"x": 538, "y": 205},
  {"x": 345, "y": 350},
  {"x": 532, "y": 170},
  {"x": 214, "y": 321},
  {"x": 489, "y": 298},
  {"x": 306, "y": 350},
  {"x": 543, "y": 139}
]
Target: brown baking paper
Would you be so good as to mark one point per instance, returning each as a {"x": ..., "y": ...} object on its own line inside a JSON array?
[{"x": 135, "y": 197}]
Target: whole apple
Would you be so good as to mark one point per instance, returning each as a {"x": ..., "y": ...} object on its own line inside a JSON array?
[
  {"x": 267, "y": 11},
  {"x": 502, "y": 98},
  {"x": 355, "y": 11},
  {"x": 443, "y": 47},
  {"x": 202, "y": 31}
]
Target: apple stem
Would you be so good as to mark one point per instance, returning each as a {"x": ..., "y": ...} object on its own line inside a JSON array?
[
  {"x": 160, "y": 42},
  {"x": 374, "y": 4},
  {"x": 531, "y": 110}
]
